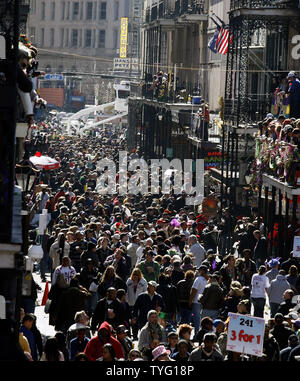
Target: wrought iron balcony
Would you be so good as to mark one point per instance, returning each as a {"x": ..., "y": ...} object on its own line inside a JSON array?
[
  {"x": 163, "y": 9},
  {"x": 188, "y": 7},
  {"x": 249, "y": 110},
  {"x": 259, "y": 4}
]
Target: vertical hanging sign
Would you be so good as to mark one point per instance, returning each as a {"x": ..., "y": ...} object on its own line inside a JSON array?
[{"x": 123, "y": 37}]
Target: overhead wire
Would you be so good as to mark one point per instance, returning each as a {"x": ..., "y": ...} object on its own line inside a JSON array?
[{"x": 102, "y": 59}]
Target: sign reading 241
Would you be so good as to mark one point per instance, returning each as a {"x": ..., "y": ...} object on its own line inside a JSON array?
[{"x": 245, "y": 334}]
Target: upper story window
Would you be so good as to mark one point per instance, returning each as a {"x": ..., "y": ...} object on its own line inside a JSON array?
[
  {"x": 43, "y": 10},
  {"x": 89, "y": 10},
  {"x": 102, "y": 11},
  {"x": 53, "y": 10},
  {"x": 75, "y": 10},
  {"x": 88, "y": 38},
  {"x": 116, "y": 10},
  {"x": 101, "y": 41}
]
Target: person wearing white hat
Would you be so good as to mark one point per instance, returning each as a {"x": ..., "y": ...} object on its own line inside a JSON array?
[
  {"x": 78, "y": 344},
  {"x": 160, "y": 353},
  {"x": 294, "y": 94},
  {"x": 151, "y": 335}
]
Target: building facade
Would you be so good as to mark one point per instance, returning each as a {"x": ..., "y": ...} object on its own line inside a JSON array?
[{"x": 77, "y": 37}]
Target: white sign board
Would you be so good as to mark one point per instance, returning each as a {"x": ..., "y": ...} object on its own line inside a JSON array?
[
  {"x": 296, "y": 247},
  {"x": 54, "y": 77},
  {"x": 245, "y": 334},
  {"x": 126, "y": 64}
]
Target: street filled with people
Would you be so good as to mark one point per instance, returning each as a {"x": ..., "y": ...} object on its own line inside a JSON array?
[{"x": 145, "y": 276}]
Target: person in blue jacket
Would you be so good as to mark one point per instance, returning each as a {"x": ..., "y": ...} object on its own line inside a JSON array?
[
  {"x": 78, "y": 344},
  {"x": 294, "y": 95}
]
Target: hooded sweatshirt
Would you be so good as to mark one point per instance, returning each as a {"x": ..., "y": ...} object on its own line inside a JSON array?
[
  {"x": 93, "y": 350},
  {"x": 277, "y": 288}
]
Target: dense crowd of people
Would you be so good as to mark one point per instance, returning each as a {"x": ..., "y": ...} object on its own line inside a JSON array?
[{"x": 146, "y": 277}]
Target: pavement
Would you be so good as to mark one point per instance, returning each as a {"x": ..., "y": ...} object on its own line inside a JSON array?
[{"x": 42, "y": 318}]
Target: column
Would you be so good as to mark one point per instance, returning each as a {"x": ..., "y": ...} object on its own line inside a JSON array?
[
  {"x": 259, "y": 206},
  {"x": 266, "y": 211},
  {"x": 279, "y": 251},
  {"x": 272, "y": 217},
  {"x": 286, "y": 224}
]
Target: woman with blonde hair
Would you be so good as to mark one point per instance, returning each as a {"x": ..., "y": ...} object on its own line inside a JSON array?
[{"x": 136, "y": 285}]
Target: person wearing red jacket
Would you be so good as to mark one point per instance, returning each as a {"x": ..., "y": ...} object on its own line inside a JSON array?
[{"x": 93, "y": 350}]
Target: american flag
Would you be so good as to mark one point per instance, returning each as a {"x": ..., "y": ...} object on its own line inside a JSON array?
[{"x": 224, "y": 40}]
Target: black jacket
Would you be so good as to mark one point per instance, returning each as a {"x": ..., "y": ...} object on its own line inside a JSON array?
[
  {"x": 101, "y": 314},
  {"x": 285, "y": 307},
  {"x": 168, "y": 293},
  {"x": 261, "y": 249},
  {"x": 281, "y": 334},
  {"x": 117, "y": 283},
  {"x": 212, "y": 297},
  {"x": 183, "y": 293}
]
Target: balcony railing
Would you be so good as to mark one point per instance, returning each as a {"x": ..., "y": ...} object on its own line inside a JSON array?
[
  {"x": 189, "y": 7},
  {"x": 258, "y": 4},
  {"x": 249, "y": 110}
]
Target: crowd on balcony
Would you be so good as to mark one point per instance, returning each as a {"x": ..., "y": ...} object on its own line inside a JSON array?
[{"x": 278, "y": 140}]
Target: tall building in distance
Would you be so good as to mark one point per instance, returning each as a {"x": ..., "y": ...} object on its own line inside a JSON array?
[{"x": 77, "y": 38}]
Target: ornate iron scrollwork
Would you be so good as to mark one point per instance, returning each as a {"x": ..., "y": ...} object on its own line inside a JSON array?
[{"x": 241, "y": 106}]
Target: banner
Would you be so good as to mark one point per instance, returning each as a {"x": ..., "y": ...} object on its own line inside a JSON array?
[
  {"x": 123, "y": 37},
  {"x": 245, "y": 334},
  {"x": 296, "y": 247}
]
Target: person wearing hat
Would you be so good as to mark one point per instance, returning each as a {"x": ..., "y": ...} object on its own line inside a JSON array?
[
  {"x": 280, "y": 331},
  {"x": 151, "y": 334},
  {"x": 276, "y": 291},
  {"x": 145, "y": 302},
  {"x": 232, "y": 299},
  {"x": 274, "y": 269},
  {"x": 160, "y": 353},
  {"x": 294, "y": 95},
  {"x": 197, "y": 289},
  {"x": 78, "y": 344},
  {"x": 124, "y": 340},
  {"x": 115, "y": 241}
]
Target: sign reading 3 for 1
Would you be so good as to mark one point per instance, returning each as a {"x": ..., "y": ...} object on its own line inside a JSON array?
[{"x": 245, "y": 334}]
